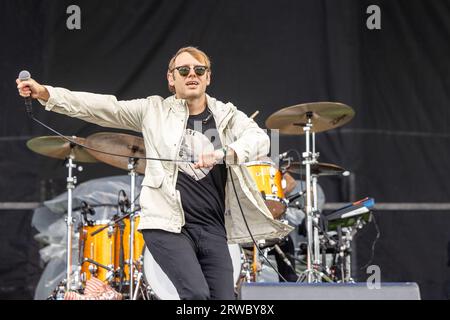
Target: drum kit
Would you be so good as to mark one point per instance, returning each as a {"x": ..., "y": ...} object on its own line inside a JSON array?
[
  {"x": 307, "y": 120},
  {"x": 114, "y": 250},
  {"x": 108, "y": 250}
]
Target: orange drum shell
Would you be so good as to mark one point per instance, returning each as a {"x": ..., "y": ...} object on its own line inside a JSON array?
[
  {"x": 99, "y": 248},
  {"x": 138, "y": 246}
]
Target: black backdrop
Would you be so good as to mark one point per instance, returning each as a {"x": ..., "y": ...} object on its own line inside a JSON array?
[{"x": 265, "y": 57}]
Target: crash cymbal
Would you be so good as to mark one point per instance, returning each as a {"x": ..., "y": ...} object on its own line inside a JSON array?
[
  {"x": 319, "y": 169},
  {"x": 59, "y": 148},
  {"x": 117, "y": 143},
  {"x": 324, "y": 116}
]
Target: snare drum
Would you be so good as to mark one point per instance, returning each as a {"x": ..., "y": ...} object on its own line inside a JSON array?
[
  {"x": 97, "y": 252},
  {"x": 125, "y": 246},
  {"x": 269, "y": 181},
  {"x": 164, "y": 289}
]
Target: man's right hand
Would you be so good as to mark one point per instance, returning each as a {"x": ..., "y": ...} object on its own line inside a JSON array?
[{"x": 30, "y": 88}]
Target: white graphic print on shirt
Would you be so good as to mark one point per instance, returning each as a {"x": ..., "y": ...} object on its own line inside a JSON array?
[{"x": 194, "y": 143}]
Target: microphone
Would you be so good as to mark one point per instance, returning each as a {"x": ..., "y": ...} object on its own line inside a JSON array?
[
  {"x": 86, "y": 208},
  {"x": 24, "y": 76},
  {"x": 125, "y": 203},
  {"x": 283, "y": 155}
]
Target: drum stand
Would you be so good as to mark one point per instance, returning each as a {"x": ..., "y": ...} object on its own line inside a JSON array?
[{"x": 311, "y": 274}]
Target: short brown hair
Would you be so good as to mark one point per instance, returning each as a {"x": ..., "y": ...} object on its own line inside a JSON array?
[{"x": 193, "y": 51}]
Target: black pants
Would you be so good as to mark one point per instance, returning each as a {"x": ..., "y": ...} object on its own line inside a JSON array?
[{"x": 197, "y": 262}]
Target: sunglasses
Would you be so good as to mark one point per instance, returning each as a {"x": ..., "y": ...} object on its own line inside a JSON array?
[{"x": 184, "y": 70}]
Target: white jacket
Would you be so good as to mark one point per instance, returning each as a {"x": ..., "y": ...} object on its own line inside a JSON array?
[{"x": 162, "y": 123}]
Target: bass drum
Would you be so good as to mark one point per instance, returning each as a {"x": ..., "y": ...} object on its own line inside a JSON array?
[{"x": 164, "y": 289}]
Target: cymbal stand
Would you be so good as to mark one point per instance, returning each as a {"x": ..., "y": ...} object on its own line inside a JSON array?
[
  {"x": 315, "y": 206},
  {"x": 315, "y": 217},
  {"x": 316, "y": 213},
  {"x": 132, "y": 162},
  {"x": 71, "y": 182},
  {"x": 138, "y": 284}
]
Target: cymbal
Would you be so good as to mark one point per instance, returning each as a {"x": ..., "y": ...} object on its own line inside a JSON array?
[
  {"x": 324, "y": 116},
  {"x": 318, "y": 169},
  {"x": 117, "y": 143},
  {"x": 59, "y": 148}
]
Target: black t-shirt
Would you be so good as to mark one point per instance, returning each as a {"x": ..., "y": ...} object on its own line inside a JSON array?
[{"x": 202, "y": 190}]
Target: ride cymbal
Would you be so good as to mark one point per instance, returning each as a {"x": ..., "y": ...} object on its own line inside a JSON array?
[
  {"x": 324, "y": 116},
  {"x": 120, "y": 144},
  {"x": 59, "y": 148}
]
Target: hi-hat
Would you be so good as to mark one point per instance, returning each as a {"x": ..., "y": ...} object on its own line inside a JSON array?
[
  {"x": 318, "y": 169},
  {"x": 59, "y": 148},
  {"x": 324, "y": 116},
  {"x": 117, "y": 143}
]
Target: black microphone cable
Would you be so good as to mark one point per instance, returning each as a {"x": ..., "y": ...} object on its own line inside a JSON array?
[
  {"x": 124, "y": 204},
  {"x": 128, "y": 208},
  {"x": 377, "y": 237},
  {"x": 73, "y": 142},
  {"x": 95, "y": 206},
  {"x": 31, "y": 115}
]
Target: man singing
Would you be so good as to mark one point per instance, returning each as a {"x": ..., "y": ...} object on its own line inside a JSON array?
[{"x": 189, "y": 209}]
